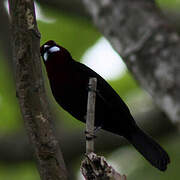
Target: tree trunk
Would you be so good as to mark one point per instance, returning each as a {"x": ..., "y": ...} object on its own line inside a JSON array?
[{"x": 31, "y": 92}]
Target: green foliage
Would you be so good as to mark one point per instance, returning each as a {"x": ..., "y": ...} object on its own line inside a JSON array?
[
  {"x": 169, "y": 4},
  {"x": 22, "y": 171},
  {"x": 10, "y": 116}
]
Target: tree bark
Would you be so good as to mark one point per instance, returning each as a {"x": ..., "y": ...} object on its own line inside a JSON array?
[
  {"x": 95, "y": 167},
  {"x": 90, "y": 116},
  {"x": 31, "y": 92},
  {"x": 148, "y": 44}
]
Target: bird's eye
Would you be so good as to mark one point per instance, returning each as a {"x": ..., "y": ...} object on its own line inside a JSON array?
[
  {"x": 46, "y": 46},
  {"x": 48, "y": 51}
]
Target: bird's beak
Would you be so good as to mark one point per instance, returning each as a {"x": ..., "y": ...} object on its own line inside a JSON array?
[{"x": 42, "y": 48}]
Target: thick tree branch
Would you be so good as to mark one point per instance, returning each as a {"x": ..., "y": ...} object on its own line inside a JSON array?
[
  {"x": 149, "y": 45},
  {"x": 31, "y": 92}
]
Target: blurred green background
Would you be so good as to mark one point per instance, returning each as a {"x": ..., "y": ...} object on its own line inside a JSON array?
[{"x": 78, "y": 34}]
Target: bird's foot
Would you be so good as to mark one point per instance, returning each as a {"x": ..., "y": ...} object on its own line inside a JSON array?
[
  {"x": 89, "y": 136},
  {"x": 89, "y": 88}
]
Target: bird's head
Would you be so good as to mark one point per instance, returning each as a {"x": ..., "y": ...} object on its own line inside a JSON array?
[{"x": 51, "y": 52}]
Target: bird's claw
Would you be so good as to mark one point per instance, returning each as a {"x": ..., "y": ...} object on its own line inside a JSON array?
[
  {"x": 89, "y": 88},
  {"x": 89, "y": 136}
]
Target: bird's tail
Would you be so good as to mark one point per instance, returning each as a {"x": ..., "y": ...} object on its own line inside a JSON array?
[{"x": 151, "y": 150}]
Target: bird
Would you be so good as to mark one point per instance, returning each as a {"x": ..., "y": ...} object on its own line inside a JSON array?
[{"x": 69, "y": 80}]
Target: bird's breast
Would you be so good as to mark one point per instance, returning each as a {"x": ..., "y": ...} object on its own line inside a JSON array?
[{"x": 68, "y": 82}]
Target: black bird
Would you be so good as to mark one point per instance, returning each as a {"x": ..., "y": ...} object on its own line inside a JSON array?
[{"x": 69, "y": 84}]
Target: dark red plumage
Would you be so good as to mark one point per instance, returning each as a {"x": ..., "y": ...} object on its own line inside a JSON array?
[{"x": 69, "y": 85}]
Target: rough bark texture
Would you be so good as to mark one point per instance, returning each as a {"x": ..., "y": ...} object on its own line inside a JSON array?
[
  {"x": 31, "y": 92},
  {"x": 95, "y": 167},
  {"x": 148, "y": 44}
]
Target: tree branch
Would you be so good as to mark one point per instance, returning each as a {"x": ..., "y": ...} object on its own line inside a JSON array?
[
  {"x": 90, "y": 115},
  {"x": 148, "y": 44},
  {"x": 95, "y": 167},
  {"x": 31, "y": 92}
]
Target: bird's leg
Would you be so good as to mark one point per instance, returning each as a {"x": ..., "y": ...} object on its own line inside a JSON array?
[
  {"x": 90, "y": 89},
  {"x": 89, "y": 136}
]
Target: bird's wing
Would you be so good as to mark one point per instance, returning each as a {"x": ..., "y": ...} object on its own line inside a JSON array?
[{"x": 104, "y": 90}]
